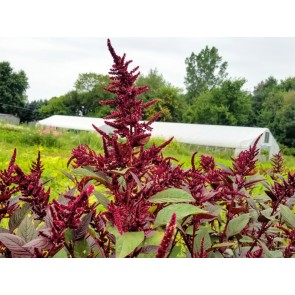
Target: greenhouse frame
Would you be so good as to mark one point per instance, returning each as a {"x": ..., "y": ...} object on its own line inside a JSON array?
[{"x": 234, "y": 137}]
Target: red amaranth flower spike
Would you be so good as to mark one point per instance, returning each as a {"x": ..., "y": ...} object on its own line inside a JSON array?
[
  {"x": 277, "y": 163},
  {"x": 167, "y": 239}
]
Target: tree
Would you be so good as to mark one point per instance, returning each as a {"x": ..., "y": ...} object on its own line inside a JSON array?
[
  {"x": 13, "y": 86},
  {"x": 170, "y": 99},
  {"x": 287, "y": 84},
  {"x": 260, "y": 94},
  {"x": 204, "y": 71},
  {"x": 57, "y": 106},
  {"x": 278, "y": 114},
  {"x": 31, "y": 112},
  {"x": 83, "y": 101},
  {"x": 224, "y": 105},
  {"x": 155, "y": 81},
  {"x": 168, "y": 103},
  {"x": 236, "y": 100},
  {"x": 285, "y": 120},
  {"x": 86, "y": 82}
]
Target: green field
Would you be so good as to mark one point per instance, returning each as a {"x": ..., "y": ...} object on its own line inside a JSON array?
[{"x": 56, "y": 150}]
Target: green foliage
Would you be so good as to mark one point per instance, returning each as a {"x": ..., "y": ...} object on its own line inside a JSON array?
[
  {"x": 273, "y": 106},
  {"x": 31, "y": 113},
  {"x": 81, "y": 249},
  {"x": 170, "y": 99},
  {"x": 27, "y": 230},
  {"x": 181, "y": 210},
  {"x": 62, "y": 253},
  {"x": 202, "y": 234},
  {"x": 171, "y": 195},
  {"x": 83, "y": 101},
  {"x": 13, "y": 86},
  {"x": 237, "y": 224},
  {"x": 127, "y": 243},
  {"x": 204, "y": 71},
  {"x": 86, "y": 82},
  {"x": 225, "y": 105},
  {"x": 18, "y": 216},
  {"x": 261, "y": 92},
  {"x": 287, "y": 215}
]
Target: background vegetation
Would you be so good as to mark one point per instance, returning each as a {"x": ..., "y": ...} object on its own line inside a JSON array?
[{"x": 210, "y": 97}]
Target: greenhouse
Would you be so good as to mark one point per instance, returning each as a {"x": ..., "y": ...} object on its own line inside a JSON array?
[{"x": 238, "y": 138}]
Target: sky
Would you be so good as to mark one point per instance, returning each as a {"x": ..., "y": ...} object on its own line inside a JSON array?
[{"x": 53, "y": 64}]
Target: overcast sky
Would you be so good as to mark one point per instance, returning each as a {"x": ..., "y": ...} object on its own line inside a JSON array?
[{"x": 53, "y": 64}]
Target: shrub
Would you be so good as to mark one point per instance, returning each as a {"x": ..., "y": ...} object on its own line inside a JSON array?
[
  {"x": 289, "y": 151},
  {"x": 146, "y": 205}
]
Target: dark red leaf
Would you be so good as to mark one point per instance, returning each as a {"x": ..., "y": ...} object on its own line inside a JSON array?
[{"x": 15, "y": 245}]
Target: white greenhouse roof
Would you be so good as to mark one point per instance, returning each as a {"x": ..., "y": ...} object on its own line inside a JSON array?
[
  {"x": 210, "y": 135},
  {"x": 200, "y": 134},
  {"x": 72, "y": 122}
]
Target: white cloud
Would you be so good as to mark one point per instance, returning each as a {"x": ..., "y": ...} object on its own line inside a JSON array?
[{"x": 53, "y": 64}]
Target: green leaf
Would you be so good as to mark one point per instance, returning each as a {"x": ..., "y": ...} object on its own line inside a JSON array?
[
  {"x": 62, "y": 253},
  {"x": 190, "y": 230},
  {"x": 99, "y": 176},
  {"x": 17, "y": 217},
  {"x": 112, "y": 230},
  {"x": 68, "y": 175},
  {"x": 287, "y": 215},
  {"x": 215, "y": 210},
  {"x": 215, "y": 254},
  {"x": 155, "y": 239},
  {"x": 81, "y": 249},
  {"x": 26, "y": 230},
  {"x": 181, "y": 210},
  {"x": 266, "y": 252},
  {"x": 270, "y": 254},
  {"x": 122, "y": 182},
  {"x": 171, "y": 195},
  {"x": 120, "y": 172},
  {"x": 262, "y": 198},
  {"x": 101, "y": 198},
  {"x": 68, "y": 235},
  {"x": 229, "y": 252},
  {"x": 236, "y": 225},
  {"x": 267, "y": 214},
  {"x": 177, "y": 252},
  {"x": 127, "y": 243},
  {"x": 246, "y": 239},
  {"x": 225, "y": 244},
  {"x": 202, "y": 234},
  {"x": 277, "y": 254},
  {"x": 274, "y": 230}
]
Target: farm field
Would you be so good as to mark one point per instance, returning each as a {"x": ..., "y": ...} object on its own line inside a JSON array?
[{"x": 55, "y": 147}]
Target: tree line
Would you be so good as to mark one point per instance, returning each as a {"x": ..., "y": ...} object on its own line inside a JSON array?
[{"x": 210, "y": 97}]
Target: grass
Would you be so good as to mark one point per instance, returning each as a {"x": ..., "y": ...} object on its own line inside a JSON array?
[{"x": 56, "y": 150}]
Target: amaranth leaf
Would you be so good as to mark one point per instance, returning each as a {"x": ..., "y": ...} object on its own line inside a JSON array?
[
  {"x": 15, "y": 245},
  {"x": 237, "y": 224},
  {"x": 171, "y": 195},
  {"x": 17, "y": 216},
  {"x": 26, "y": 230}
]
